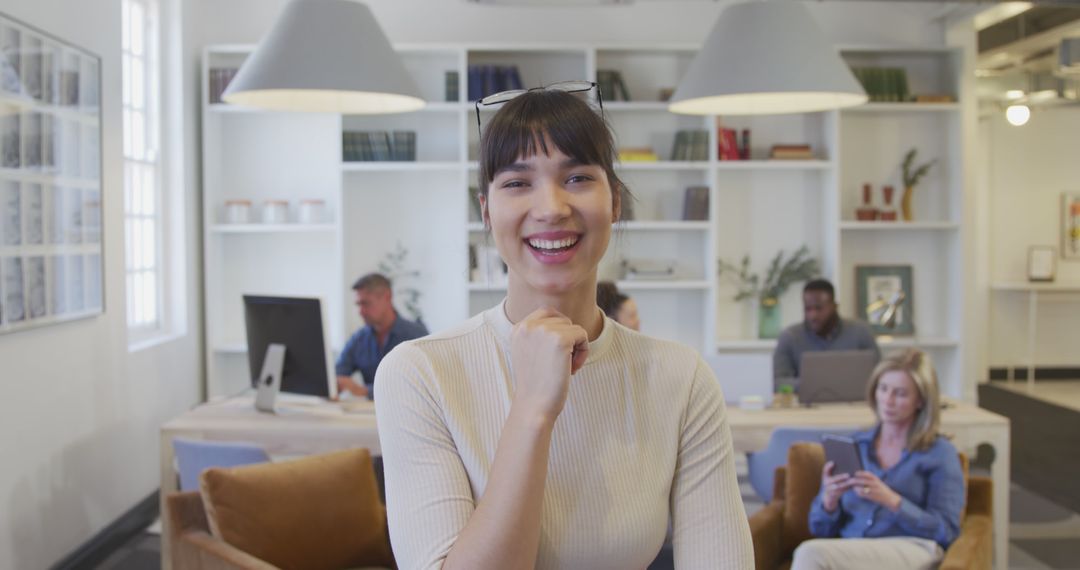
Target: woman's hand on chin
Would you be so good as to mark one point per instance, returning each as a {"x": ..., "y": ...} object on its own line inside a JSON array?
[{"x": 546, "y": 347}]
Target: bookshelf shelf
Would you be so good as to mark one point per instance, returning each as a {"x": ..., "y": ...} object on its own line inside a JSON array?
[
  {"x": 898, "y": 226},
  {"x": 474, "y": 286},
  {"x": 636, "y": 106},
  {"x": 774, "y": 165},
  {"x": 903, "y": 108},
  {"x": 663, "y": 226},
  {"x": 404, "y": 166},
  {"x": 643, "y": 285},
  {"x": 272, "y": 228},
  {"x": 662, "y": 165}
]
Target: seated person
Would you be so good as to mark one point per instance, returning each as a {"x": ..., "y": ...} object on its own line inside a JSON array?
[
  {"x": 822, "y": 329},
  {"x": 383, "y": 330},
  {"x": 906, "y": 505},
  {"x": 617, "y": 305}
]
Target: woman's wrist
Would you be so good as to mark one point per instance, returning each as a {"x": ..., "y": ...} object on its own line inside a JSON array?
[{"x": 895, "y": 501}]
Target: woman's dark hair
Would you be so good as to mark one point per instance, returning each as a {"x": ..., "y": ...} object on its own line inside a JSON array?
[
  {"x": 608, "y": 298},
  {"x": 525, "y": 124}
]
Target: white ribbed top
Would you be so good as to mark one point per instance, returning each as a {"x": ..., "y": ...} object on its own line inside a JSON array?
[{"x": 643, "y": 436}]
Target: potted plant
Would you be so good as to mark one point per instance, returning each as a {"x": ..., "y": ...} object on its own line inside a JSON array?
[
  {"x": 785, "y": 397},
  {"x": 781, "y": 274},
  {"x": 911, "y": 178}
]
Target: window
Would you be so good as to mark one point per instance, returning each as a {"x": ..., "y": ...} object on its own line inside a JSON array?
[{"x": 143, "y": 197}]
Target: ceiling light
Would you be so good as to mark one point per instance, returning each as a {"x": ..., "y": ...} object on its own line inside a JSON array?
[
  {"x": 1017, "y": 115},
  {"x": 325, "y": 56},
  {"x": 1014, "y": 94},
  {"x": 766, "y": 57}
]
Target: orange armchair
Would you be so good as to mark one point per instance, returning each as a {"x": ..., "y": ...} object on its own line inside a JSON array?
[
  {"x": 783, "y": 524},
  {"x": 321, "y": 512}
]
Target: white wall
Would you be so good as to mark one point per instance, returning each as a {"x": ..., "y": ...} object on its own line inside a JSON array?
[
  {"x": 671, "y": 21},
  {"x": 1026, "y": 170},
  {"x": 79, "y": 414}
]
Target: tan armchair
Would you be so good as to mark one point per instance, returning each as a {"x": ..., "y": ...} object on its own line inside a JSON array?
[
  {"x": 320, "y": 513},
  {"x": 783, "y": 524}
]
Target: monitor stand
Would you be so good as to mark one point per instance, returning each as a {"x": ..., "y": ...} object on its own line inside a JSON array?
[{"x": 268, "y": 384}]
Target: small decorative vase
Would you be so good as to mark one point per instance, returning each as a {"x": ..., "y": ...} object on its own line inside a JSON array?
[
  {"x": 785, "y": 400},
  {"x": 769, "y": 318},
  {"x": 905, "y": 203}
]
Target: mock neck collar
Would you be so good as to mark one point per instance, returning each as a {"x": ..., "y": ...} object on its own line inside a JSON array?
[{"x": 500, "y": 323}]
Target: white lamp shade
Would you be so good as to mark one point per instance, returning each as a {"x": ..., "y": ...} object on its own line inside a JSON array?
[
  {"x": 325, "y": 56},
  {"x": 766, "y": 57}
]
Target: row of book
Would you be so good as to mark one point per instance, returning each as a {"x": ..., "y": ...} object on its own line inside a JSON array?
[
  {"x": 611, "y": 85},
  {"x": 691, "y": 144},
  {"x": 219, "y": 80},
  {"x": 730, "y": 146},
  {"x": 791, "y": 152},
  {"x": 486, "y": 80},
  {"x": 383, "y": 146},
  {"x": 883, "y": 84}
]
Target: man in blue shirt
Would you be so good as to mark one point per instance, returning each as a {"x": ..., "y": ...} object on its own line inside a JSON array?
[
  {"x": 383, "y": 330},
  {"x": 822, "y": 329}
]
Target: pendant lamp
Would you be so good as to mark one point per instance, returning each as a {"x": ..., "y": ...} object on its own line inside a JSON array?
[
  {"x": 763, "y": 58},
  {"x": 325, "y": 56}
]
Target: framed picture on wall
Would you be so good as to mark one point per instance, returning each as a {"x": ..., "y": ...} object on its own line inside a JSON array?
[
  {"x": 50, "y": 179},
  {"x": 884, "y": 297},
  {"x": 1070, "y": 225}
]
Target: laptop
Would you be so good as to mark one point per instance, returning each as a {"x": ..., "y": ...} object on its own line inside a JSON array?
[{"x": 835, "y": 375}]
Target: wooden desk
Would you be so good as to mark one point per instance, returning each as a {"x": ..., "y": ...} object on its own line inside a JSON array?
[
  {"x": 300, "y": 429},
  {"x": 308, "y": 429},
  {"x": 969, "y": 425}
]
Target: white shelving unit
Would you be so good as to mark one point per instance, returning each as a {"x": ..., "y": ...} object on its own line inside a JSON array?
[{"x": 757, "y": 207}]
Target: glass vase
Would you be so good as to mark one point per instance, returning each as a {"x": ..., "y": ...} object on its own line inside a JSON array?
[{"x": 769, "y": 318}]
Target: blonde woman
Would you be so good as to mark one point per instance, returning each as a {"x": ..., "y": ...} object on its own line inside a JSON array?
[{"x": 904, "y": 509}]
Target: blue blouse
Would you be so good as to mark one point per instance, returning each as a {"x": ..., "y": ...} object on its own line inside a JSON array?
[{"x": 931, "y": 486}]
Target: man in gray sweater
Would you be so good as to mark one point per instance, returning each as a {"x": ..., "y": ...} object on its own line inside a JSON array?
[{"x": 821, "y": 329}]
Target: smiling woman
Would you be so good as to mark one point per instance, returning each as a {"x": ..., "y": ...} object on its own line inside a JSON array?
[{"x": 540, "y": 433}]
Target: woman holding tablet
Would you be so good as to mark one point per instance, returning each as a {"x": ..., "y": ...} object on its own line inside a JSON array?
[
  {"x": 538, "y": 434},
  {"x": 903, "y": 509}
]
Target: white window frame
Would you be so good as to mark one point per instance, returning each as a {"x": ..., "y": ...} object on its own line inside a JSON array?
[{"x": 148, "y": 204}]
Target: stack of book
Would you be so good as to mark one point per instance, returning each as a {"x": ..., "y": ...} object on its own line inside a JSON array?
[
  {"x": 219, "y": 80},
  {"x": 486, "y": 80},
  {"x": 791, "y": 152},
  {"x": 396, "y": 146},
  {"x": 691, "y": 144},
  {"x": 696, "y": 203},
  {"x": 637, "y": 154},
  {"x": 883, "y": 84},
  {"x": 730, "y": 147},
  {"x": 611, "y": 85}
]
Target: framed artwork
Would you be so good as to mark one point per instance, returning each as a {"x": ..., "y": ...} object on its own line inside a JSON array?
[
  {"x": 50, "y": 179},
  {"x": 884, "y": 297},
  {"x": 1042, "y": 263},
  {"x": 1070, "y": 225}
]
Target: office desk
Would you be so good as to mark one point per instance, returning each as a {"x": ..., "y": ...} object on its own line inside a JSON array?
[
  {"x": 300, "y": 429},
  {"x": 969, "y": 425},
  {"x": 308, "y": 429}
]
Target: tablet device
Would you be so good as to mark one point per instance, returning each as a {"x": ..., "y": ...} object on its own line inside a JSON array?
[{"x": 843, "y": 452}]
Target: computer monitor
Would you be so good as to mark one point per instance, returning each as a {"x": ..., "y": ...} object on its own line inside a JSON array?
[{"x": 297, "y": 324}]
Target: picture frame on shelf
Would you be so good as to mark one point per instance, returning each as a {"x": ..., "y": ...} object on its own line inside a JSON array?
[
  {"x": 1070, "y": 225},
  {"x": 1041, "y": 263},
  {"x": 51, "y": 180},
  {"x": 884, "y": 297}
]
